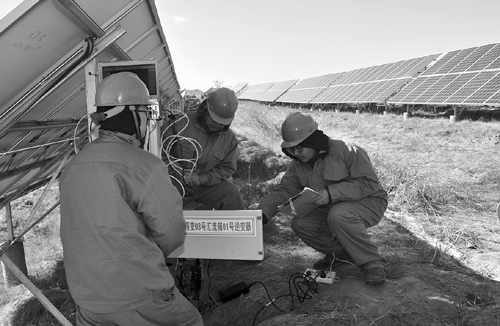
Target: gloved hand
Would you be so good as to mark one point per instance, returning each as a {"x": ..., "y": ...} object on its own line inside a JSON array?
[{"x": 192, "y": 179}]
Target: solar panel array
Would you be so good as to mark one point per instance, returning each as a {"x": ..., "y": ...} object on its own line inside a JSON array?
[
  {"x": 463, "y": 77},
  {"x": 467, "y": 77},
  {"x": 373, "y": 84},
  {"x": 365, "y": 85}
]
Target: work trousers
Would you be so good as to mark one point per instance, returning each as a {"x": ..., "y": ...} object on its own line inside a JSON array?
[
  {"x": 168, "y": 308},
  {"x": 223, "y": 196},
  {"x": 344, "y": 226}
]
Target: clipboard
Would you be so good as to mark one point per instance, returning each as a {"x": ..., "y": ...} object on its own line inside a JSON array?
[{"x": 300, "y": 204}]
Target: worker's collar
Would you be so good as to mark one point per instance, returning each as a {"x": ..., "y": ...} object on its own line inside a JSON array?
[{"x": 116, "y": 135}]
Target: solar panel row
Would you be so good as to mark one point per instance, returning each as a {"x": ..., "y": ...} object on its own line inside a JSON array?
[
  {"x": 462, "y": 77},
  {"x": 466, "y": 76},
  {"x": 372, "y": 84}
]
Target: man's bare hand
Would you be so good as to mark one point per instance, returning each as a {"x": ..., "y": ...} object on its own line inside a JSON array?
[
  {"x": 322, "y": 198},
  {"x": 192, "y": 179}
]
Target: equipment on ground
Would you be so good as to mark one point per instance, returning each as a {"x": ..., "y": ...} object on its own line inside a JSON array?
[
  {"x": 325, "y": 277},
  {"x": 233, "y": 235}
]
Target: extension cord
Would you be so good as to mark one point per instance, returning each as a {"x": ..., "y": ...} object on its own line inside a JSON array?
[{"x": 313, "y": 273}]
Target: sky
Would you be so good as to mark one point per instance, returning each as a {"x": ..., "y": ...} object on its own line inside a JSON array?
[{"x": 262, "y": 41}]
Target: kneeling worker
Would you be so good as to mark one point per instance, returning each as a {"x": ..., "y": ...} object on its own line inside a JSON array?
[
  {"x": 350, "y": 198},
  {"x": 201, "y": 150},
  {"x": 120, "y": 218}
]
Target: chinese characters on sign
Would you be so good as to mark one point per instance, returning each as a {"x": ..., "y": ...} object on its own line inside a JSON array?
[{"x": 211, "y": 226}]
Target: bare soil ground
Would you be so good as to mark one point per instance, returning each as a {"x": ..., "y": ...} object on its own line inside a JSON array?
[{"x": 423, "y": 287}]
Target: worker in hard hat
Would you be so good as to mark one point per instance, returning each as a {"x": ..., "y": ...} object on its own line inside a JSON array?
[
  {"x": 121, "y": 217},
  {"x": 200, "y": 150},
  {"x": 350, "y": 197}
]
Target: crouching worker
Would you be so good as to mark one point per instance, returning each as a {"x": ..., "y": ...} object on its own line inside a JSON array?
[
  {"x": 201, "y": 150},
  {"x": 350, "y": 200},
  {"x": 120, "y": 218}
]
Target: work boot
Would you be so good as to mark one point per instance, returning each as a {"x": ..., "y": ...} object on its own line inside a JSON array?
[
  {"x": 374, "y": 276},
  {"x": 323, "y": 262}
]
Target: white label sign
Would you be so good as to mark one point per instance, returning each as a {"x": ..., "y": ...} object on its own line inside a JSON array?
[{"x": 220, "y": 226}]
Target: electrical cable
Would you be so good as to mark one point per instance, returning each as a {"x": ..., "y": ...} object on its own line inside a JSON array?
[
  {"x": 310, "y": 285},
  {"x": 178, "y": 164}
]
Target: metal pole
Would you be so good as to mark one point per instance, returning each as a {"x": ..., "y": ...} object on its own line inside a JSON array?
[{"x": 33, "y": 289}]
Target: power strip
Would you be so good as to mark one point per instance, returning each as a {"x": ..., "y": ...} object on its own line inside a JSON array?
[{"x": 313, "y": 273}]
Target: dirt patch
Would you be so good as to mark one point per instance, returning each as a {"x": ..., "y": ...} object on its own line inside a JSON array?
[{"x": 423, "y": 287}]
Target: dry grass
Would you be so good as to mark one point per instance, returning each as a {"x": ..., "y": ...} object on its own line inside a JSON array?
[
  {"x": 440, "y": 172},
  {"x": 443, "y": 180}
]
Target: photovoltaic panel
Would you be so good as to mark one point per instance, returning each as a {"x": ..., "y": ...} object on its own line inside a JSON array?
[
  {"x": 495, "y": 98},
  {"x": 300, "y": 96},
  {"x": 246, "y": 93},
  {"x": 425, "y": 84},
  {"x": 472, "y": 58},
  {"x": 450, "y": 65},
  {"x": 307, "y": 89},
  {"x": 349, "y": 91},
  {"x": 369, "y": 92},
  {"x": 489, "y": 57},
  {"x": 364, "y": 75},
  {"x": 441, "y": 62},
  {"x": 384, "y": 92},
  {"x": 495, "y": 64},
  {"x": 447, "y": 89},
  {"x": 361, "y": 94},
  {"x": 276, "y": 90},
  {"x": 397, "y": 67},
  {"x": 373, "y": 83},
  {"x": 239, "y": 87},
  {"x": 465, "y": 77},
  {"x": 487, "y": 91},
  {"x": 348, "y": 77},
  {"x": 254, "y": 93},
  {"x": 330, "y": 92},
  {"x": 470, "y": 87},
  {"x": 434, "y": 89},
  {"x": 411, "y": 67}
]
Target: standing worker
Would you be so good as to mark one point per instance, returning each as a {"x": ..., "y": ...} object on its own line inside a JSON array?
[
  {"x": 120, "y": 218},
  {"x": 350, "y": 198},
  {"x": 200, "y": 150}
]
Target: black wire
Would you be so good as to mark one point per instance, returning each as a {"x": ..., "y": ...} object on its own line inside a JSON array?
[
  {"x": 310, "y": 286},
  {"x": 309, "y": 282}
]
